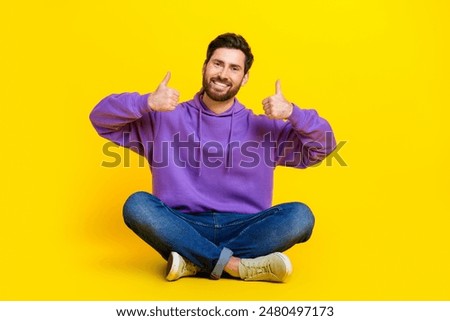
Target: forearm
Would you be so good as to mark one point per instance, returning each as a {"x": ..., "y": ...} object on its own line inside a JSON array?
[
  {"x": 315, "y": 135},
  {"x": 115, "y": 112}
]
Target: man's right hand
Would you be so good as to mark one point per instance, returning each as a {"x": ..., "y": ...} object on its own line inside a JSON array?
[{"x": 163, "y": 98}]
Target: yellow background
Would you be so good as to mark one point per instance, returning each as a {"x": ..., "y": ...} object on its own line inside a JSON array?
[{"x": 377, "y": 70}]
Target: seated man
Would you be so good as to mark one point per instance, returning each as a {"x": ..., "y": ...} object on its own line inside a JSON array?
[{"x": 212, "y": 163}]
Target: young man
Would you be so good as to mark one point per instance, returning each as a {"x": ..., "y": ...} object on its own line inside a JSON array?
[{"x": 212, "y": 163}]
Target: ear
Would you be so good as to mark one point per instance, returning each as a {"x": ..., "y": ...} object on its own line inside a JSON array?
[{"x": 245, "y": 79}]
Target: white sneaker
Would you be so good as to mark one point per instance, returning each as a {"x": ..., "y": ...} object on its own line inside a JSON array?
[
  {"x": 275, "y": 267},
  {"x": 178, "y": 267}
]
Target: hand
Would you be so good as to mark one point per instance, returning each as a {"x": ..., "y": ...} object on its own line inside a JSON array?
[
  {"x": 276, "y": 106},
  {"x": 164, "y": 98}
]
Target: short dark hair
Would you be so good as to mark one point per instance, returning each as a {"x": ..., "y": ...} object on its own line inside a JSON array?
[{"x": 232, "y": 41}]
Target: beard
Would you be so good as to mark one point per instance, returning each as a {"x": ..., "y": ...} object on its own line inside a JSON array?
[{"x": 231, "y": 92}]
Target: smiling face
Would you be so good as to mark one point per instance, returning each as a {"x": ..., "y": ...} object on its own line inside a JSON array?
[{"x": 223, "y": 74}]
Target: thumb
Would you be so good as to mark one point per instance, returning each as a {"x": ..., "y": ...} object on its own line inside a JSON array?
[
  {"x": 278, "y": 87},
  {"x": 166, "y": 79}
]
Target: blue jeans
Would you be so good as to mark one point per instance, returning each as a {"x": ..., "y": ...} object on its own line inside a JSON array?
[{"x": 209, "y": 239}]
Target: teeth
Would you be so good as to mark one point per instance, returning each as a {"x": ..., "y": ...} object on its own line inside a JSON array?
[{"x": 220, "y": 84}]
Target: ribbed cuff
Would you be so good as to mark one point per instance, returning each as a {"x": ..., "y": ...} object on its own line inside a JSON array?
[
  {"x": 224, "y": 257},
  {"x": 143, "y": 104},
  {"x": 297, "y": 117}
]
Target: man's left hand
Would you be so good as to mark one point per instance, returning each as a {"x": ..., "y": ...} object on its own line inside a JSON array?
[{"x": 276, "y": 106}]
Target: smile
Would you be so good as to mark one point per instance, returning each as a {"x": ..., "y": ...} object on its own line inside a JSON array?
[{"x": 220, "y": 84}]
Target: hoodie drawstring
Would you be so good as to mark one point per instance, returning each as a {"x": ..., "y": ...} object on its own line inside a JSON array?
[
  {"x": 229, "y": 149},
  {"x": 200, "y": 157}
]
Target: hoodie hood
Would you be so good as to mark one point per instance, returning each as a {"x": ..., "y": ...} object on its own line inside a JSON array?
[{"x": 200, "y": 105}]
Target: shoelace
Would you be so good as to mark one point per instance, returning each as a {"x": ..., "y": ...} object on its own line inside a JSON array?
[{"x": 257, "y": 269}]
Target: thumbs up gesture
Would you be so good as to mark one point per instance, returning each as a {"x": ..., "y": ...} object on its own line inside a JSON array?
[
  {"x": 163, "y": 98},
  {"x": 276, "y": 106}
]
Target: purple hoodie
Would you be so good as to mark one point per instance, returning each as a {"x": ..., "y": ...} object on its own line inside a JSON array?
[{"x": 233, "y": 171}]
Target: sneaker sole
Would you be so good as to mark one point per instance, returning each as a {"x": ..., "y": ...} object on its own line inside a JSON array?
[{"x": 172, "y": 263}]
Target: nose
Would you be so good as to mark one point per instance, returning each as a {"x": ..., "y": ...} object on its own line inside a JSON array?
[{"x": 224, "y": 73}]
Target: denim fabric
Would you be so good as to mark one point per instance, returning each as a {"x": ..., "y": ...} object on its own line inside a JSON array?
[{"x": 209, "y": 239}]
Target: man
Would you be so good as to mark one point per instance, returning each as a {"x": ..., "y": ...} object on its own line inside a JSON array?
[{"x": 212, "y": 163}]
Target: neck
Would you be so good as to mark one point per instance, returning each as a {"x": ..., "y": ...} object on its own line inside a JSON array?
[{"x": 217, "y": 107}]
